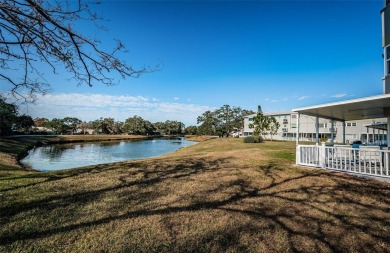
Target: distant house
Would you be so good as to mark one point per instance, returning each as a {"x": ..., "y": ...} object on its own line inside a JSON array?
[
  {"x": 85, "y": 131},
  {"x": 42, "y": 129}
]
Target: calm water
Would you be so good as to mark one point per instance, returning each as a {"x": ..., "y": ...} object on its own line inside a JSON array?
[{"x": 65, "y": 156}]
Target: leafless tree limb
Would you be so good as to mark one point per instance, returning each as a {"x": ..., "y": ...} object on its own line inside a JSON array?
[{"x": 35, "y": 31}]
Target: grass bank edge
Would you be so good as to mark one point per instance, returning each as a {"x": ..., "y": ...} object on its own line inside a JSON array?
[{"x": 15, "y": 148}]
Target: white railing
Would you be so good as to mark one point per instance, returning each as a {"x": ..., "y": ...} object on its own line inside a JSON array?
[
  {"x": 308, "y": 155},
  {"x": 369, "y": 160}
]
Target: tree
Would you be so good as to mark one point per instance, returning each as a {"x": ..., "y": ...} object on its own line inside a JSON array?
[
  {"x": 34, "y": 31},
  {"x": 208, "y": 123},
  {"x": 104, "y": 125},
  {"x": 264, "y": 124},
  {"x": 117, "y": 127},
  {"x": 137, "y": 125},
  {"x": 8, "y": 115},
  {"x": 159, "y": 127},
  {"x": 191, "y": 130},
  {"x": 222, "y": 121},
  {"x": 169, "y": 127},
  {"x": 23, "y": 123},
  {"x": 84, "y": 126},
  {"x": 273, "y": 126},
  {"x": 174, "y": 127},
  {"x": 72, "y": 123},
  {"x": 58, "y": 126},
  {"x": 40, "y": 122}
]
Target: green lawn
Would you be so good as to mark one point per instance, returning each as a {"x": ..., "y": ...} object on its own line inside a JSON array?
[{"x": 220, "y": 195}]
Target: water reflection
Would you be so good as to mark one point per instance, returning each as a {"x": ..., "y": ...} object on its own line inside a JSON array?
[{"x": 71, "y": 155}]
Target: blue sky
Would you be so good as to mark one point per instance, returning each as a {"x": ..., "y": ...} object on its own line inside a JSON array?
[{"x": 277, "y": 54}]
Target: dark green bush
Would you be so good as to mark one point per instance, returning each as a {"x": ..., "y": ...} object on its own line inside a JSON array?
[
  {"x": 249, "y": 139},
  {"x": 253, "y": 139}
]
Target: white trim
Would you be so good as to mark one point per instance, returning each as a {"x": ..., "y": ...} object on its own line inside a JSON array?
[{"x": 350, "y": 101}]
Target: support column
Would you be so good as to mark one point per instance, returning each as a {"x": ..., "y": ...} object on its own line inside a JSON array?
[
  {"x": 343, "y": 132},
  {"x": 297, "y": 137},
  {"x": 332, "y": 132},
  {"x": 388, "y": 131},
  {"x": 383, "y": 137},
  {"x": 317, "y": 129},
  {"x": 373, "y": 135}
]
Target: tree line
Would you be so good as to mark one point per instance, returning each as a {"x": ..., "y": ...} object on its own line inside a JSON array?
[
  {"x": 134, "y": 125},
  {"x": 220, "y": 122},
  {"x": 13, "y": 123}
]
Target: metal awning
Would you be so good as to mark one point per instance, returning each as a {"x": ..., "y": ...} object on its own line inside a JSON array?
[
  {"x": 354, "y": 109},
  {"x": 378, "y": 125}
]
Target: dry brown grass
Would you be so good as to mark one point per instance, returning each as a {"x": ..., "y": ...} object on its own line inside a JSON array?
[
  {"x": 220, "y": 195},
  {"x": 200, "y": 138}
]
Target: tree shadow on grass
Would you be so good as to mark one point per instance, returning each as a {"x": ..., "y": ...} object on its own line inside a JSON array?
[
  {"x": 310, "y": 210},
  {"x": 37, "y": 178},
  {"x": 157, "y": 174}
]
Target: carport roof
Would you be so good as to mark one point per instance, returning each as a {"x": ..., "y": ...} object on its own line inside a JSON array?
[{"x": 354, "y": 109}]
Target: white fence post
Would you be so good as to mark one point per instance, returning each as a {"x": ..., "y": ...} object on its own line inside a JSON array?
[
  {"x": 322, "y": 155},
  {"x": 298, "y": 155}
]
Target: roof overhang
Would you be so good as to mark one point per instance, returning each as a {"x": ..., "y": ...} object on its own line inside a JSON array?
[
  {"x": 354, "y": 109},
  {"x": 378, "y": 125}
]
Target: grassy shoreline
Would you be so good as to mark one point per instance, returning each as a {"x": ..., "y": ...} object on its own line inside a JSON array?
[
  {"x": 218, "y": 196},
  {"x": 15, "y": 148}
]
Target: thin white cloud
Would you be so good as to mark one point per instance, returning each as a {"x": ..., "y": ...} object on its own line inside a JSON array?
[
  {"x": 303, "y": 97},
  {"x": 339, "y": 95},
  {"x": 176, "y": 98},
  {"x": 93, "y": 106}
]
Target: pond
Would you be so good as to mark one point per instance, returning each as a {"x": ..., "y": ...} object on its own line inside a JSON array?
[{"x": 72, "y": 155}]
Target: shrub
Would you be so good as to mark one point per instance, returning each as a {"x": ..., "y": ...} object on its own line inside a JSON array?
[{"x": 253, "y": 139}]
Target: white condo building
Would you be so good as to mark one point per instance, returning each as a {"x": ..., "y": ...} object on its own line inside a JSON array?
[{"x": 362, "y": 130}]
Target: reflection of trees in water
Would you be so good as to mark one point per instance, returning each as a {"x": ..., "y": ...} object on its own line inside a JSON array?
[
  {"x": 74, "y": 153},
  {"x": 56, "y": 151}
]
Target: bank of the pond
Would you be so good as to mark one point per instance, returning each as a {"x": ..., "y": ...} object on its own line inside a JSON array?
[
  {"x": 14, "y": 148},
  {"x": 76, "y": 155},
  {"x": 221, "y": 195}
]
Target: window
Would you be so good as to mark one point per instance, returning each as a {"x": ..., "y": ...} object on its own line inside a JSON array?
[
  {"x": 293, "y": 125},
  {"x": 322, "y": 125},
  {"x": 351, "y": 124},
  {"x": 351, "y": 136},
  {"x": 250, "y": 119},
  {"x": 293, "y": 116}
]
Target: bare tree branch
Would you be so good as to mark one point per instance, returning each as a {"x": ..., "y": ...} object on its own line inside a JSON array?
[{"x": 42, "y": 31}]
